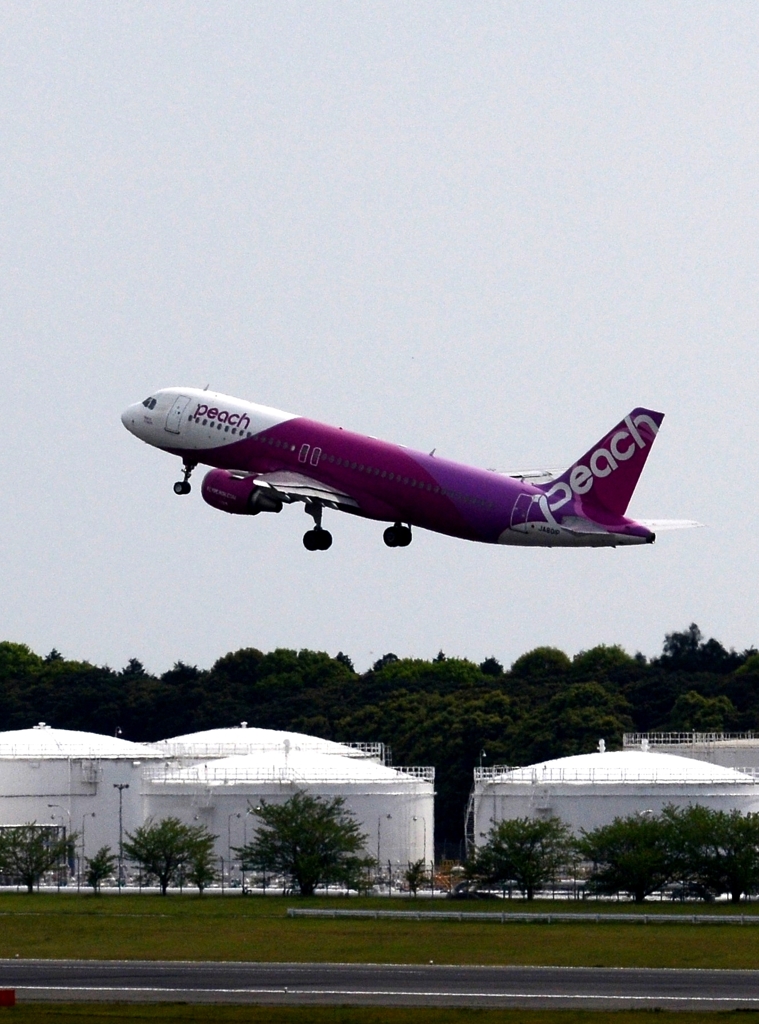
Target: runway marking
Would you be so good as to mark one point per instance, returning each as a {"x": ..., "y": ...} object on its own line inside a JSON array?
[{"x": 384, "y": 993}]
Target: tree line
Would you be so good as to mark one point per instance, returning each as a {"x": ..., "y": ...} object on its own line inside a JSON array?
[
  {"x": 691, "y": 852},
  {"x": 448, "y": 712},
  {"x": 305, "y": 842},
  {"x": 694, "y": 852}
]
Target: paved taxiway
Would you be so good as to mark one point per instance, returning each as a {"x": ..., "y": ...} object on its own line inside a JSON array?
[{"x": 378, "y": 984}]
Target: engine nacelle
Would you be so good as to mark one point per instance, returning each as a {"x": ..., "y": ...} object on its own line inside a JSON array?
[{"x": 240, "y": 496}]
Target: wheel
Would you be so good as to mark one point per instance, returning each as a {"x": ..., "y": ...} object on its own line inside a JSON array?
[
  {"x": 405, "y": 537},
  {"x": 325, "y": 539},
  {"x": 390, "y": 537},
  {"x": 311, "y": 540},
  {"x": 182, "y": 487}
]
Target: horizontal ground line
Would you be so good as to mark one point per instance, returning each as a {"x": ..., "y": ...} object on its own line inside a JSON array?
[
  {"x": 294, "y": 991},
  {"x": 508, "y": 917}
]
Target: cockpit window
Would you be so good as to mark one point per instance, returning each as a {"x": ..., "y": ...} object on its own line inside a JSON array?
[{"x": 150, "y": 403}]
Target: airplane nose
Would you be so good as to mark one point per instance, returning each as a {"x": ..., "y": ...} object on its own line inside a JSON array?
[{"x": 127, "y": 418}]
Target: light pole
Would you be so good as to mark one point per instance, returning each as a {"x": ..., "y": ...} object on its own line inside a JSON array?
[
  {"x": 61, "y": 808},
  {"x": 249, "y": 810},
  {"x": 121, "y": 786},
  {"x": 424, "y": 826},
  {"x": 234, "y": 814},
  {"x": 379, "y": 840},
  {"x": 67, "y": 812},
  {"x": 90, "y": 814}
]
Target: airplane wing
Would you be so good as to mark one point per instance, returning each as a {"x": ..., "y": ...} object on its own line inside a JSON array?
[
  {"x": 297, "y": 487},
  {"x": 669, "y": 524}
]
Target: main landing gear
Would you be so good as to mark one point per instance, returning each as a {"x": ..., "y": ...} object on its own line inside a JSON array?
[
  {"x": 317, "y": 539},
  {"x": 398, "y": 536},
  {"x": 183, "y": 486}
]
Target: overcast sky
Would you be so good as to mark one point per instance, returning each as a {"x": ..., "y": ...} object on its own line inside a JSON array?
[{"x": 489, "y": 228}]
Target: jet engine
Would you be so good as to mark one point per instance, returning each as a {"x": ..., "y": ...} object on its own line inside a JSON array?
[{"x": 238, "y": 495}]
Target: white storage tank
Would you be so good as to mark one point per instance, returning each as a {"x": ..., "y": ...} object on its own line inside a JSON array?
[
  {"x": 589, "y": 790},
  {"x": 245, "y": 739},
  {"x": 394, "y": 806},
  {"x": 70, "y": 778}
]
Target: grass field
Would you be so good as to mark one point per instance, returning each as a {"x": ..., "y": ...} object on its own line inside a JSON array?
[
  {"x": 188, "y": 928},
  {"x": 181, "y": 1013}
]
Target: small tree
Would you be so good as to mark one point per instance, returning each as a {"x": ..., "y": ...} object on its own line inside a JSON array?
[
  {"x": 202, "y": 866},
  {"x": 715, "y": 851},
  {"x": 28, "y": 851},
  {"x": 163, "y": 849},
  {"x": 631, "y": 854},
  {"x": 310, "y": 840},
  {"x": 416, "y": 875},
  {"x": 529, "y": 852},
  {"x": 100, "y": 867}
]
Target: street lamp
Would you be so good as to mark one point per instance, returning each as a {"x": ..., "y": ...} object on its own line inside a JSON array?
[
  {"x": 424, "y": 826},
  {"x": 67, "y": 812},
  {"x": 379, "y": 840},
  {"x": 121, "y": 786},
  {"x": 234, "y": 814},
  {"x": 89, "y": 814}
]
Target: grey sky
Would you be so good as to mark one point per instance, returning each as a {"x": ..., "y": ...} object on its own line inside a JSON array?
[{"x": 489, "y": 228}]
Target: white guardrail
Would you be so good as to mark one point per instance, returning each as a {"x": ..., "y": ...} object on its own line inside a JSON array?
[
  {"x": 505, "y": 775},
  {"x": 681, "y": 739},
  {"x": 509, "y": 917},
  {"x": 168, "y": 774}
]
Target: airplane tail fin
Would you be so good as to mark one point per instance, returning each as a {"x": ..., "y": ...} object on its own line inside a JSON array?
[{"x": 607, "y": 474}]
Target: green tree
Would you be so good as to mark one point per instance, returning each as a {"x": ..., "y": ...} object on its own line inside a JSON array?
[
  {"x": 310, "y": 840},
  {"x": 694, "y": 712},
  {"x": 541, "y": 663},
  {"x": 27, "y": 852},
  {"x": 416, "y": 875},
  {"x": 605, "y": 663},
  {"x": 631, "y": 854},
  {"x": 202, "y": 866},
  {"x": 100, "y": 867},
  {"x": 571, "y": 722},
  {"x": 529, "y": 852},
  {"x": 715, "y": 852},
  {"x": 165, "y": 848}
]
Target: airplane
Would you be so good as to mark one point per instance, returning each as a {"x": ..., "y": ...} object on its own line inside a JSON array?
[{"x": 264, "y": 459}]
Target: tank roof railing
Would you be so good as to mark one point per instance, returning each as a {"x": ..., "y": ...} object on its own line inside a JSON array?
[
  {"x": 533, "y": 776},
  {"x": 220, "y": 774},
  {"x": 425, "y": 772},
  {"x": 672, "y": 739},
  {"x": 376, "y": 751},
  {"x": 190, "y": 750}
]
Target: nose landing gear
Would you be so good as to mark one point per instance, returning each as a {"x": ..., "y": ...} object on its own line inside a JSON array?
[
  {"x": 317, "y": 539},
  {"x": 183, "y": 486},
  {"x": 397, "y": 536}
]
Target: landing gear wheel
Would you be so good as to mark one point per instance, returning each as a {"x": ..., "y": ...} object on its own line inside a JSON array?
[
  {"x": 183, "y": 486},
  {"x": 397, "y": 536},
  {"x": 317, "y": 540},
  {"x": 389, "y": 537}
]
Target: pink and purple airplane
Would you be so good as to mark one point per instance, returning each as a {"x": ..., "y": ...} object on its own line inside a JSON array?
[{"x": 263, "y": 459}]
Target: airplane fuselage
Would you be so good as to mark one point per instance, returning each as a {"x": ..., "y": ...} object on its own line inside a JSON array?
[{"x": 265, "y": 454}]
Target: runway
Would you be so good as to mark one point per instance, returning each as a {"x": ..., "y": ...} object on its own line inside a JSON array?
[{"x": 379, "y": 984}]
